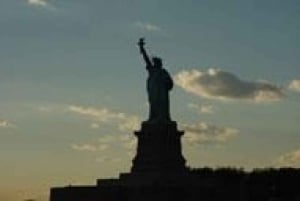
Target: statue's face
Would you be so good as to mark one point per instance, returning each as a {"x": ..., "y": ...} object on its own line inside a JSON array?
[{"x": 157, "y": 62}]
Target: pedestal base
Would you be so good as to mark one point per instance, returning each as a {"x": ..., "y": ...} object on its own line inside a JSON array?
[{"x": 158, "y": 149}]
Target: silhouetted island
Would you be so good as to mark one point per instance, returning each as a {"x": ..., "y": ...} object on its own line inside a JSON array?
[{"x": 159, "y": 170}]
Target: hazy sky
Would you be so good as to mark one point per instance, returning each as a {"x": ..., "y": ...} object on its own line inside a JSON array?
[{"x": 72, "y": 85}]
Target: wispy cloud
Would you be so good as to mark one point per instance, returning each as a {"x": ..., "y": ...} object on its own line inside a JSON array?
[
  {"x": 106, "y": 139},
  {"x": 105, "y": 145},
  {"x": 106, "y": 159},
  {"x": 42, "y": 3},
  {"x": 206, "y": 109},
  {"x": 291, "y": 159},
  {"x": 147, "y": 27},
  {"x": 89, "y": 147},
  {"x": 5, "y": 124},
  {"x": 101, "y": 114},
  {"x": 204, "y": 133},
  {"x": 294, "y": 85},
  {"x": 84, "y": 147},
  {"x": 94, "y": 125},
  {"x": 218, "y": 84},
  {"x": 130, "y": 123},
  {"x": 44, "y": 109},
  {"x": 125, "y": 122},
  {"x": 128, "y": 142}
]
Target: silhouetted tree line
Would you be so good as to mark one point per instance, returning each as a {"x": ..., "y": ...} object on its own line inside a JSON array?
[{"x": 276, "y": 184}]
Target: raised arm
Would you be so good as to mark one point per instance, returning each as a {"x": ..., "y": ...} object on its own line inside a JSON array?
[{"x": 141, "y": 44}]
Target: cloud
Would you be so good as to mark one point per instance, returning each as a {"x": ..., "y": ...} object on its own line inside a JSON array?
[
  {"x": 102, "y": 147},
  {"x": 294, "y": 85},
  {"x": 89, "y": 147},
  {"x": 128, "y": 142},
  {"x": 102, "y": 114},
  {"x": 42, "y": 3},
  {"x": 130, "y": 123},
  {"x": 206, "y": 109},
  {"x": 107, "y": 143},
  {"x": 44, "y": 109},
  {"x": 84, "y": 147},
  {"x": 147, "y": 27},
  {"x": 94, "y": 125},
  {"x": 291, "y": 159},
  {"x": 106, "y": 139},
  {"x": 105, "y": 159},
  {"x": 5, "y": 124},
  {"x": 203, "y": 133},
  {"x": 218, "y": 84},
  {"x": 124, "y": 141},
  {"x": 125, "y": 122},
  {"x": 50, "y": 108}
]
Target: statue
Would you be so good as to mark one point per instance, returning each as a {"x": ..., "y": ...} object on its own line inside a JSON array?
[{"x": 159, "y": 84}]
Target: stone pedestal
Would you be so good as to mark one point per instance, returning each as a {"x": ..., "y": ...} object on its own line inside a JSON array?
[
  {"x": 158, "y": 149},
  {"x": 158, "y": 171}
]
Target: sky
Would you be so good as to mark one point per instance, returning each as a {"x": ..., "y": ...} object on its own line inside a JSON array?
[{"x": 72, "y": 86}]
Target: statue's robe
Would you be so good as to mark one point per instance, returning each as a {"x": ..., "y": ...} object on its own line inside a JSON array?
[{"x": 159, "y": 84}]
